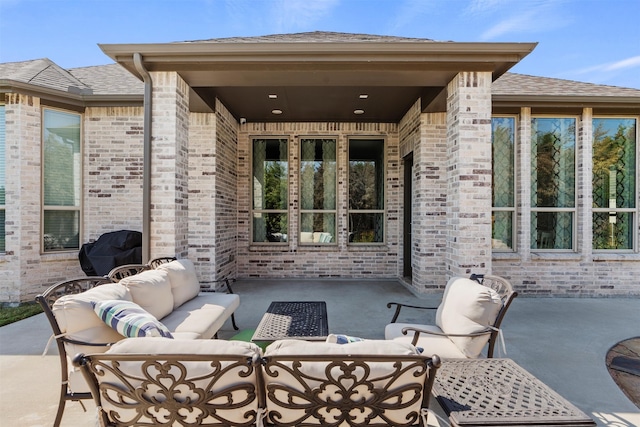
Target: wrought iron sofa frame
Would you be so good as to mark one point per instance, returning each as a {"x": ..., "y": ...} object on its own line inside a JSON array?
[{"x": 300, "y": 392}]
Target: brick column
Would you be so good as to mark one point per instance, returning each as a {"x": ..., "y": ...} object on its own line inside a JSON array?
[
  {"x": 584, "y": 216},
  {"x": 169, "y": 163},
  {"x": 469, "y": 174},
  {"x": 22, "y": 209}
]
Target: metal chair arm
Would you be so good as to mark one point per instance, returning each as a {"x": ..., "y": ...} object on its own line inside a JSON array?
[
  {"x": 418, "y": 331},
  {"x": 400, "y": 305}
]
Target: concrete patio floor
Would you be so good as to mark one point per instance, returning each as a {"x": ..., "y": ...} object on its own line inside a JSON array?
[{"x": 562, "y": 341}]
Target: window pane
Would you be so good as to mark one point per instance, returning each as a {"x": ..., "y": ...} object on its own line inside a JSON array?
[
  {"x": 2, "y": 231},
  {"x": 317, "y": 174},
  {"x": 62, "y": 162},
  {"x": 366, "y": 227},
  {"x": 61, "y": 230},
  {"x": 612, "y": 231},
  {"x": 503, "y": 149},
  {"x": 614, "y": 163},
  {"x": 270, "y": 174},
  {"x": 270, "y": 227},
  {"x": 317, "y": 227},
  {"x": 2, "y": 162},
  {"x": 366, "y": 174},
  {"x": 551, "y": 230},
  {"x": 553, "y": 162},
  {"x": 502, "y": 230}
]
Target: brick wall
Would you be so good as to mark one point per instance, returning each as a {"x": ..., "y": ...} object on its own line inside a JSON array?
[
  {"x": 340, "y": 260},
  {"x": 113, "y": 168}
]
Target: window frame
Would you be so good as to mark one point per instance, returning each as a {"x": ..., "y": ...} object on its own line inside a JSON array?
[
  {"x": 45, "y": 208},
  {"x": 514, "y": 208},
  {"x": 574, "y": 210},
  {"x": 302, "y": 211},
  {"x": 252, "y": 209},
  {"x": 382, "y": 211},
  {"x": 634, "y": 211}
]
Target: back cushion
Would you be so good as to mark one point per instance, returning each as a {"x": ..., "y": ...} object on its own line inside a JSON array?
[
  {"x": 75, "y": 317},
  {"x": 468, "y": 307},
  {"x": 184, "y": 281},
  {"x": 151, "y": 290}
]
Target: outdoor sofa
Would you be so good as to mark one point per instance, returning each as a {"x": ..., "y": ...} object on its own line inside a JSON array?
[
  {"x": 160, "y": 381},
  {"x": 90, "y": 314}
]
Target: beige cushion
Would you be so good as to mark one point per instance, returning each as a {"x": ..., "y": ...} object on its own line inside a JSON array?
[
  {"x": 306, "y": 237},
  {"x": 233, "y": 382},
  {"x": 184, "y": 281},
  {"x": 290, "y": 396},
  {"x": 204, "y": 315},
  {"x": 299, "y": 347},
  {"x": 76, "y": 318},
  {"x": 468, "y": 307},
  {"x": 151, "y": 290}
]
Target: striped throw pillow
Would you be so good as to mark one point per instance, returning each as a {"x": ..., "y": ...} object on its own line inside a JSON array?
[{"x": 129, "y": 319}]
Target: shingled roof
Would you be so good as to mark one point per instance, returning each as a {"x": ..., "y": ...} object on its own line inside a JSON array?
[
  {"x": 521, "y": 84},
  {"x": 44, "y": 73},
  {"x": 314, "y": 37}
]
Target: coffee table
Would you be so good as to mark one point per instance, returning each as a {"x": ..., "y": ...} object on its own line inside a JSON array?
[
  {"x": 306, "y": 320},
  {"x": 498, "y": 392}
]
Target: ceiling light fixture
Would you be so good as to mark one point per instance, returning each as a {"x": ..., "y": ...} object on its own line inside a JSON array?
[
  {"x": 276, "y": 111},
  {"x": 273, "y": 96},
  {"x": 358, "y": 111},
  {"x": 363, "y": 96}
]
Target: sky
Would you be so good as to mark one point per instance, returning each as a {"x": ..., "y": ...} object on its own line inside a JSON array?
[{"x": 595, "y": 41}]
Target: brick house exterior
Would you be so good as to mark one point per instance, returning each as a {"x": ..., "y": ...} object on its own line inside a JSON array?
[{"x": 438, "y": 160}]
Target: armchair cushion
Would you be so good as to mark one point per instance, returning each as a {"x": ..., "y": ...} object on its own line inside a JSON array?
[
  {"x": 468, "y": 307},
  {"x": 129, "y": 319}
]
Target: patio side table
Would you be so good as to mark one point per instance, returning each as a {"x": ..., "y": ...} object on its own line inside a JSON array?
[
  {"x": 305, "y": 320},
  {"x": 498, "y": 392}
]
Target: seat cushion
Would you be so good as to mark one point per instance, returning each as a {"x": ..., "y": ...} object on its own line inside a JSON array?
[
  {"x": 129, "y": 319},
  {"x": 468, "y": 307},
  {"x": 203, "y": 315},
  {"x": 184, "y": 281},
  {"x": 151, "y": 290},
  {"x": 370, "y": 347}
]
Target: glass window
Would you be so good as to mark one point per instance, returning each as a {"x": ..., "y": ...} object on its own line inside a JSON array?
[
  {"x": 318, "y": 191},
  {"x": 3, "y": 181},
  {"x": 62, "y": 180},
  {"x": 614, "y": 182},
  {"x": 366, "y": 191},
  {"x": 553, "y": 184},
  {"x": 503, "y": 178},
  {"x": 270, "y": 190}
]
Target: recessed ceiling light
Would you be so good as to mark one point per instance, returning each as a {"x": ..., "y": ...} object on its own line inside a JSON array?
[
  {"x": 363, "y": 96},
  {"x": 276, "y": 111},
  {"x": 273, "y": 96},
  {"x": 358, "y": 111}
]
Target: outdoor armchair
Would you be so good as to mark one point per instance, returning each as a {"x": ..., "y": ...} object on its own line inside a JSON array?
[
  {"x": 467, "y": 319},
  {"x": 120, "y": 272}
]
